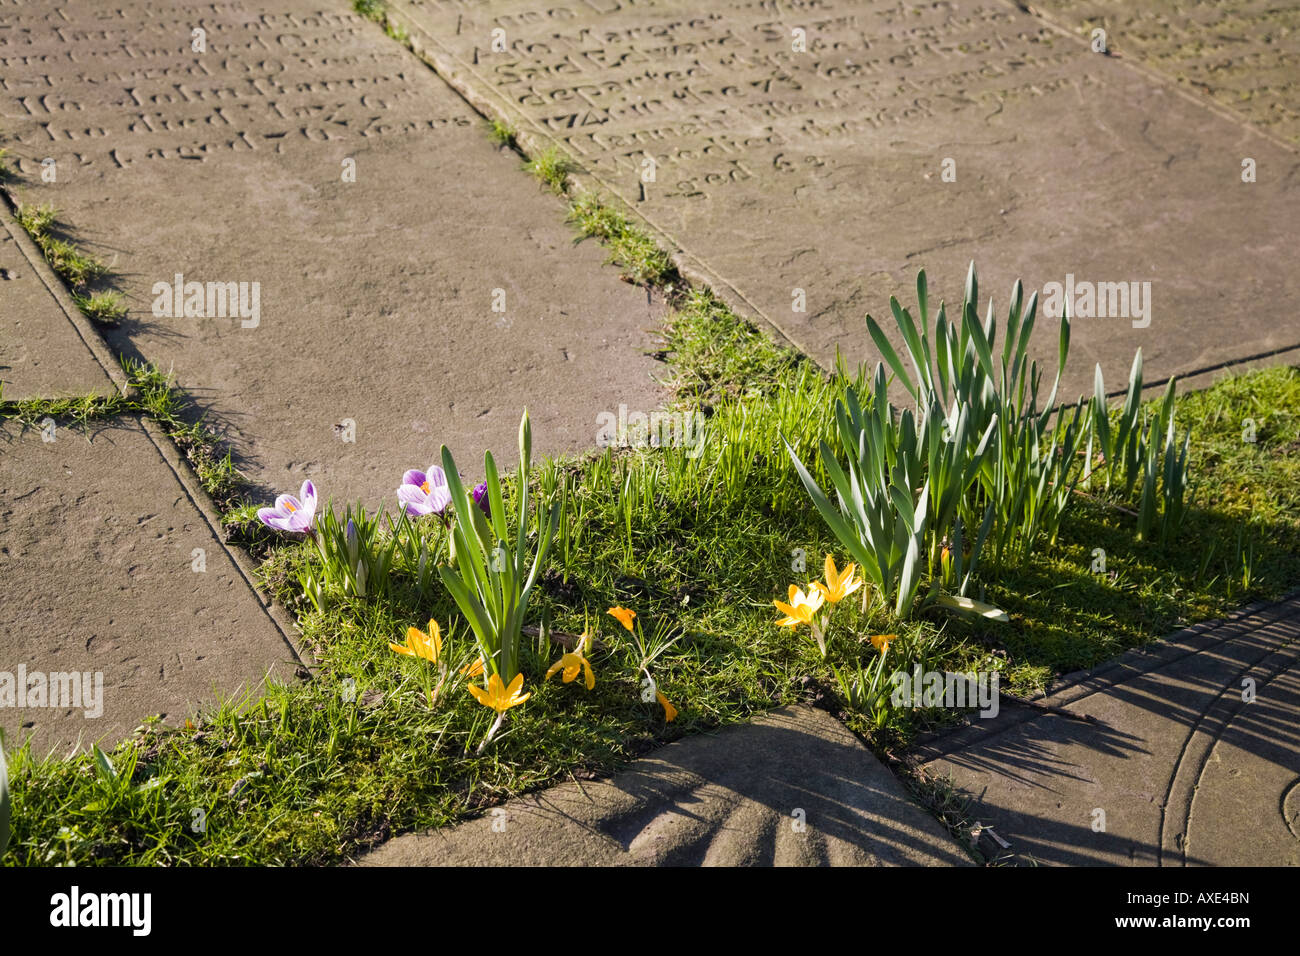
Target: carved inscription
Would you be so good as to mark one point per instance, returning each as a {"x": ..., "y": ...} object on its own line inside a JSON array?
[{"x": 106, "y": 85}]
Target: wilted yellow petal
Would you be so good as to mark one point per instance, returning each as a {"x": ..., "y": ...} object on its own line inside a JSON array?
[
  {"x": 670, "y": 712},
  {"x": 881, "y": 642},
  {"x": 624, "y": 615}
]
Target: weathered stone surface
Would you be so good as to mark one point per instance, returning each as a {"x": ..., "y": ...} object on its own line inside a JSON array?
[
  {"x": 44, "y": 352},
  {"x": 99, "y": 549},
  {"x": 1245, "y": 54},
  {"x": 730, "y": 799},
  {"x": 375, "y": 296},
  {"x": 1184, "y": 768},
  {"x": 824, "y": 171}
]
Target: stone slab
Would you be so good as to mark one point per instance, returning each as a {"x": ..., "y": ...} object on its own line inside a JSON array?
[
  {"x": 1243, "y": 54},
  {"x": 376, "y": 296},
  {"x": 1186, "y": 771},
  {"x": 728, "y": 799},
  {"x": 98, "y": 557},
  {"x": 43, "y": 350},
  {"x": 823, "y": 171}
]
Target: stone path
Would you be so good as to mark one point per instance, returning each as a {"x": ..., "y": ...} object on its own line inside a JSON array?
[
  {"x": 114, "y": 577},
  {"x": 356, "y": 208},
  {"x": 47, "y": 349},
  {"x": 783, "y": 176},
  {"x": 1178, "y": 770},
  {"x": 309, "y": 157},
  {"x": 794, "y": 788},
  {"x": 121, "y": 600},
  {"x": 401, "y": 284}
]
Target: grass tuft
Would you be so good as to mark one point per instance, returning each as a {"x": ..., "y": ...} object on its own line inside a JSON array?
[
  {"x": 502, "y": 134},
  {"x": 551, "y": 168},
  {"x": 105, "y": 308},
  {"x": 630, "y": 248}
]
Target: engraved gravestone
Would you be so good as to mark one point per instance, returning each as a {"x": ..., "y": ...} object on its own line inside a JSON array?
[
  {"x": 313, "y": 231},
  {"x": 809, "y": 157},
  {"x": 1244, "y": 54}
]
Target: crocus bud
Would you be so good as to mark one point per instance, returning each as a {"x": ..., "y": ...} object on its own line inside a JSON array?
[
  {"x": 354, "y": 545},
  {"x": 525, "y": 441}
]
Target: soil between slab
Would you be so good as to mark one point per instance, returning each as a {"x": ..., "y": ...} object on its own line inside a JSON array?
[
  {"x": 110, "y": 569},
  {"x": 807, "y": 187},
  {"x": 793, "y": 788},
  {"x": 309, "y": 157}
]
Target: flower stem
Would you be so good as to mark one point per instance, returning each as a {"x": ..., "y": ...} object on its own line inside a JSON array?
[{"x": 491, "y": 732}]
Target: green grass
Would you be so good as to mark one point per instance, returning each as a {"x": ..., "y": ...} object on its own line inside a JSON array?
[
  {"x": 701, "y": 545},
  {"x": 630, "y": 247},
  {"x": 73, "y": 266},
  {"x": 36, "y": 220},
  {"x": 552, "y": 168},
  {"x": 503, "y": 134},
  {"x": 105, "y": 308}
]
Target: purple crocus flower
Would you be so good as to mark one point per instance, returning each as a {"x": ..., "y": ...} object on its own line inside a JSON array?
[
  {"x": 290, "y": 513},
  {"x": 424, "y": 494},
  {"x": 481, "y": 498}
]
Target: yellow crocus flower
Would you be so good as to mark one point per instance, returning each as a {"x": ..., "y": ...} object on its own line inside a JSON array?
[
  {"x": 419, "y": 644},
  {"x": 801, "y": 608},
  {"x": 838, "y": 585},
  {"x": 573, "y": 662},
  {"x": 498, "y": 696}
]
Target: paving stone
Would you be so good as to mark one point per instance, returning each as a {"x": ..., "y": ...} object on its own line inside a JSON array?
[
  {"x": 1245, "y": 54},
  {"x": 1185, "y": 768},
  {"x": 375, "y": 297},
  {"x": 778, "y": 171},
  {"x": 729, "y": 799},
  {"x": 44, "y": 350},
  {"x": 100, "y": 550}
]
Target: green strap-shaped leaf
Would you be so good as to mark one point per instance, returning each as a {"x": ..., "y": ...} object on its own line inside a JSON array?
[
  {"x": 980, "y": 342},
  {"x": 496, "y": 502},
  {"x": 470, "y": 607},
  {"x": 911, "y": 573},
  {"x": 916, "y": 346},
  {"x": 834, "y": 520},
  {"x": 972, "y": 295},
  {"x": 890, "y": 356}
]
